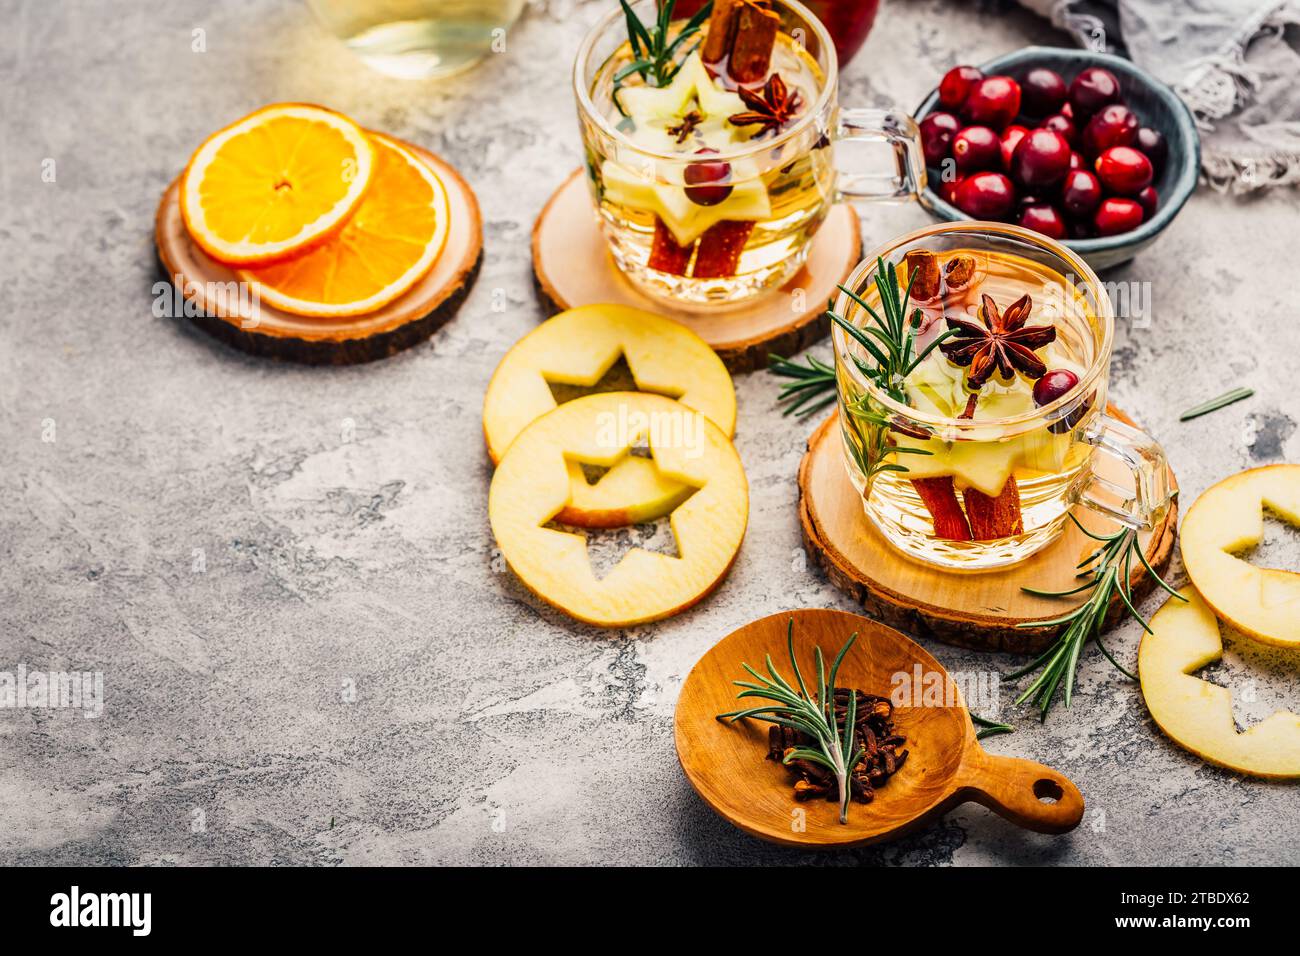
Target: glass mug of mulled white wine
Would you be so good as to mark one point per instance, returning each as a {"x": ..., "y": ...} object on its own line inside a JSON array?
[
  {"x": 712, "y": 169},
  {"x": 972, "y": 406},
  {"x": 416, "y": 39}
]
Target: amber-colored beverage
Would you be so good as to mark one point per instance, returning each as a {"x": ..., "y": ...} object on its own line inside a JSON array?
[
  {"x": 938, "y": 470},
  {"x": 702, "y": 205},
  {"x": 709, "y": 251}
]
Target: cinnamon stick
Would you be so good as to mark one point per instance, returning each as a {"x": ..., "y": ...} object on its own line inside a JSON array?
[
  {"x": 720, "y": 247},
  {"x": 940, "y": 500},
  {"x": 666, "y": 255},
  {"x": 721, "y": 32},
  {"x": 741, "y": 32},
  {"x": 998, "y": 517},
  {"x": 751, "y": 47},
  {"x": 922, "y": 269}
]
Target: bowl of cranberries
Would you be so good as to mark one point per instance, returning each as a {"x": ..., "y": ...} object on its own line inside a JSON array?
[{"x": 1083, "y": 147}]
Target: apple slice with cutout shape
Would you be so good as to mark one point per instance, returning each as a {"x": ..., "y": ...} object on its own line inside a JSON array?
[
  {"x": 1196, "y": 714},
  {"x": 532, "y": 486},
  {"x": 1262, "y": 603},
  {"x": 578, "y": 348}
]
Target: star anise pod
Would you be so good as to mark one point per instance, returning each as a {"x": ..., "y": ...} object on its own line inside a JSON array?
[
  {"x": 1003, "y": 342},
  {"x": 771, "y": 109}
]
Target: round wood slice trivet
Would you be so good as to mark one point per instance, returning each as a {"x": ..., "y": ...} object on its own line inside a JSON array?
[
  {"x": 572, "y": 266},
  {"x": 407, "y": 320},
  {"x": 969, "y": 609}
]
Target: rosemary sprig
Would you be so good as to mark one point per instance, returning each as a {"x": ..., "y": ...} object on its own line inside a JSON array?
[
  {"x": 989, "y": 728},
  {"x": 891, "y": 340},
  {"x": 654, "y": 54},
  {"x": 814, "y": 716},
  {"x": 1214, "y": 404},
  {"x": 1108, "y": 570},
  {"x": 870, "y": 449},
  {"x": 812, "y": 387}
]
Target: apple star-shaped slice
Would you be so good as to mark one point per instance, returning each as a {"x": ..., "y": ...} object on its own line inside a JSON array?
[
  {"x": 633, "y": 179},
  {"x": 1263, "y": 603},
  {"x": 1197, "y": 715},
  {"x": 532, "y": 485},
  {"x": 577, "y": 348}
]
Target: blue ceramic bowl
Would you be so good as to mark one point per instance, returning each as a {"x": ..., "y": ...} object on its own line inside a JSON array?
[{"x": 1156, "y": 105}]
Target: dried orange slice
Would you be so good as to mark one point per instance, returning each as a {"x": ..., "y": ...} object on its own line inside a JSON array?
[
  {"x": 275, "y": 183},
  {"x": 387, "y": 246}
]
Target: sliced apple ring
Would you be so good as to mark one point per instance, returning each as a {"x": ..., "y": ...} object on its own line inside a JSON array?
[
  {"x": 1196, "y": 714},
  {"x": 1262, "y": 603},
  {"x": 532, "y": 486},
  {"x": 578, "y": 348}
]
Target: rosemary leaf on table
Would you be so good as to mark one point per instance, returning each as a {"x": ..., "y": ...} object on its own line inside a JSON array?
[
  {"x": 989, "y": 728},
  {"x": 1214, "y": 404},
  {"x": 812, "y": 386},
  {"x": 1107, "y": 573},
  {"x": 889, "y": 342}
]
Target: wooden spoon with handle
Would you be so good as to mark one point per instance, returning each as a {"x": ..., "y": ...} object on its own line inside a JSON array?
[{"x": 945, "y": 766}]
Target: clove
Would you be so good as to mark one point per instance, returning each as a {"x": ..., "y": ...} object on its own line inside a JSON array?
[{"x": 874, "y": 733}]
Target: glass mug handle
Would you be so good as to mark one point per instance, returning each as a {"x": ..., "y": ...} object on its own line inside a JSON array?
[
  {"x": 1142, "y": 505},
  {"x": 901, "y": 133}
]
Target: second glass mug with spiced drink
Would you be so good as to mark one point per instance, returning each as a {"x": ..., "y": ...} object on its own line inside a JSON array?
[
  {"x": 972, "y": 361},
  {"x": 710, "y": 144}
]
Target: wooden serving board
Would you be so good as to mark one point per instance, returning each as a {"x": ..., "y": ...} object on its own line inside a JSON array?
[
  {"x": 969, "y": 609},
  {"x": 572, "y": 266},
  {"x": 406, "y": 321},
  {"x": 945, "y": 766}
]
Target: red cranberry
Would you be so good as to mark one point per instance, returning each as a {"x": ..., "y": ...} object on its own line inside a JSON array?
[
  {"x": 1041, "y": 158},
  {"x": 1092, "y": 89},
  {"x": 976, "y": 148},
  {"x": 1117, "y": 215},
  {"x": 1042, "y": 91},
  {"x": 986, "y": 195},
  {"x": 1077, "y": 161},
  {"x": 956, "y": 86},
  {"x": 1080, "y": 193},
  {"x": 1123, "y": 170},
  {"x": 1149, "y": 199},
  {"x": 1081, "y": 229},
  {"x": 1057, "y": 383},
  {"x": 697, "y": 175},
  {"x": 1053, "y": 385},
  {"x": 1060, "y": 123},
  {"x": 948, "y": 189},
  {"x": 1010, "y": 138},
  {"x": 1153, "y": 144},
  {"x": 1113, "y": 125},
  {"x": 937, "y": 131},
  {"x": 994, "y": 102},
  {"x": 1067, "y": 110},
  {"x": 1043, "y": 218}
]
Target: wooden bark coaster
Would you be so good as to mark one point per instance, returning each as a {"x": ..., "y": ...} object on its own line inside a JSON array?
[
  {"x": 405, "y": 321},
  {"x": 969, "y": 609},
  {"x": 572, "y": 267}
]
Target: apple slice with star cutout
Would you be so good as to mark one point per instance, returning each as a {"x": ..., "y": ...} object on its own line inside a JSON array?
[
  {"x": 578, "y": 348},
  {"x": 1196, "y": 714},
  {"x": 1262, "y": 603},
  {"x": 532, "y": 486}
]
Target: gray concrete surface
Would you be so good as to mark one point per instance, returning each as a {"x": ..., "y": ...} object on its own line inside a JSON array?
[{"x": 310, "y": 651}]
